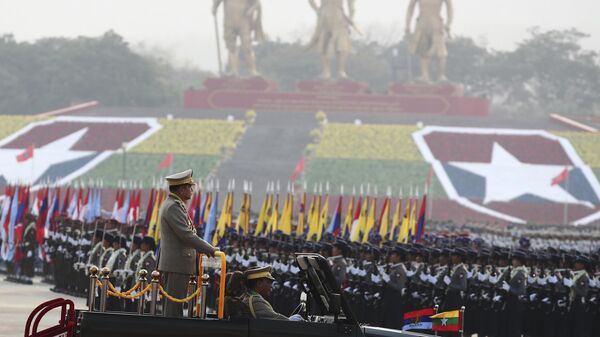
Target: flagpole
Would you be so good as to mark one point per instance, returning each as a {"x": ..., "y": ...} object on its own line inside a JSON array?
[
  {"x": 566, "y": 205},
  {"x": 462, "y": 321},
  {"x": 435, "y": 312}
]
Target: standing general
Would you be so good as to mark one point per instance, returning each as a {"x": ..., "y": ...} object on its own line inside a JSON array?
[{"x": 179, "y": 241}]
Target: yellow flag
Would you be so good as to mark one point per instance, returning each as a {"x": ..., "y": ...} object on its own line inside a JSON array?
[
  {"x": 413, "y": 220},
  {"x": 246, "y": 224},
  {"x": 348, "y": 219},
  {"x": 370, "y": 223},
  {"x": 262, "y": 216},
  {"x": 207, "y": 204},
  {"x": 154, "y": 225},
  {"x": 241, "y": 220},
  {"x": 359, "y": 227},
  {"x": 384, "y": 220},
  {"x": 285, "y": 225},
  {"x": 323, "y": 218},
  {"x": 273, "y": 221},
  {"x": 223, "y": 218},
  {"x": 301, "y": 216},
  {"x": 403, "y": 237},
  {"x": 395, "y": 220},
  {"x": 313, "y": 224}
]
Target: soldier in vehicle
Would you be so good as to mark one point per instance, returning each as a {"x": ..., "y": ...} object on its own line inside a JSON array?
[{"x": 259, "y": 282}]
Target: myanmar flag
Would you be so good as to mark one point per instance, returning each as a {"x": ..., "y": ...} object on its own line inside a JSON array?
[{"x": 447, "y": 321}]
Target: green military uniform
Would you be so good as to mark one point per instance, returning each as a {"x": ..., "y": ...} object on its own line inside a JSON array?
[
  {"x": 179, "y": 245},
  {"x": 258, "y": 306}
]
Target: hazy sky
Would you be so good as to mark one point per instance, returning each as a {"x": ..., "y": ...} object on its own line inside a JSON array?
[{"x": 184, "y": 28}]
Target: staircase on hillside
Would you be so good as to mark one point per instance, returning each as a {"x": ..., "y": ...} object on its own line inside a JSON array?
[{"x": 268, "y": 151}]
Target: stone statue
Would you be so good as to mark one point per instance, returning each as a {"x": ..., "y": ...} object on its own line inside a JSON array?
[
  {"x": 332, "y": 35},
  {"x": 429, "y": 38},
  {"x": 243, "y": 20}
]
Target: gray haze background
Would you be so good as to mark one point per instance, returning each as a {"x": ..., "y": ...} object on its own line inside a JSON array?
[{"x": 182, "y": 30}]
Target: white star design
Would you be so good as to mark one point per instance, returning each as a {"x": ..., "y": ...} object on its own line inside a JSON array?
[
  {"x": 506, "y": 178},
  {"x": 28, "y": 172},
  {"x": 444, "y": 321}
]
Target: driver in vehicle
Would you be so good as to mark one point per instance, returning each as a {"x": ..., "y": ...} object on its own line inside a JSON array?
[{"x": 259, "y": 282}]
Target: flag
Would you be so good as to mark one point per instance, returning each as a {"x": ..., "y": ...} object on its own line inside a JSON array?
[
  {"x": 298, "y": 170},
  {"x": 447, "y": 321},
  {"x": 323, "y": 218},
  {"x": 42, "y": 216},
  {"x": 404, "y": 227},
  {"x": 149, "y": 211},
  {"x": 384, "y": 220},
  {"x": 25, "y": 155},
  {"x": 264, "y": 214},
  {"x": 335, "y": 227},
  {"x": 370, "y": 222},
  {"x": 412, "y": 220},
  {"x": 273, "y": 219},
  {"x": 393, "y": 234},
  {"x": 211, "y": 222},
  {"x": 313, "y": 222},
  {"x": 166, "y": 162},
  {"x": 300, "y": 227},
  {"x": 222, "y": 224},
  {"x": 563, "y": 176},
  {"x": 359, "y": 219},
  {"x": 418, "y": 320},
  {"x": 348, "y": 219},
  {"x": 285, "y": 224},
  {"x": 421, "y": 220},
  {"x": 241, "y": 220}
]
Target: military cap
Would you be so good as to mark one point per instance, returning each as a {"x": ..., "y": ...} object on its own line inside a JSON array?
[
  {"x": 582, "y": 259},
  {"x": 137, "y": 240},
  {"x": 182, "y": 178},
  {"x": 150, "y": 242},
  {"x": 459, "y": 252},
  {"x": 258, "y": 273},
  {"x": 109, "y": 237},
  {"x": 123, "y": 241},
  {"x": 519, "y": 255}
]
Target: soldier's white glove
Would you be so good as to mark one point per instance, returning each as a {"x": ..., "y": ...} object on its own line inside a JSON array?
[
  {"x": 433, "y": 279},
  {"x": 531, "y": 280},
  {"x": 482, "y": 277},
  {"x": 469, "y": 274},
  {"x": 505, "y": 286},
  {"x": 493, "y": 279},
  {"x": 532, "y": 297},
  {"x": 568, "y": 282},
  {"x": 386, "y": 277},
  {"x": 423, "y": 277},
  {"x": 415, "y": 294},
  {"x": 447, "y": 280},
  {"x": 542, "y": 281},
  {"x": 497, "y": 298},
  {"x": 296, "y": 318},
  {"x": 410, "y": 273},
  {"x": 552, "y": 279}
]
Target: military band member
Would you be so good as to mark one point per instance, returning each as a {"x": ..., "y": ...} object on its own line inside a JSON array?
[{"x": 179, "y": 241}]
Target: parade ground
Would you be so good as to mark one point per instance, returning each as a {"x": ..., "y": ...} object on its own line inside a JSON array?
[{"x": 18, "y": 300}]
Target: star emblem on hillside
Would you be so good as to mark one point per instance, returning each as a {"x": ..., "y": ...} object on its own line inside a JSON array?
[
  {"x": 507, "y": 178},
  {"x": 44, "y": 157}
]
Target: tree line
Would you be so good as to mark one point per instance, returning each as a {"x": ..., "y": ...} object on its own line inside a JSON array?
[{"x": 549, "y": 71}]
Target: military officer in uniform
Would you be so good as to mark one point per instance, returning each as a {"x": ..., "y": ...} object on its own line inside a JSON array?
[
  {"x": 516, "y": 288},
  {"x": 580, "y": 288},
  {"x": 396, "y": 284},
  {"x": 259, "y": 282},
  {"x": 179, "y": 241},
  {"x": 338, "y": 262},
  {"x": 147, "y": 259},
  {"x": 457, "y": 281}
]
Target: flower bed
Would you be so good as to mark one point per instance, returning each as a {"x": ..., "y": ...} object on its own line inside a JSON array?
[
  {"x": 12, "y": 123},
  {"x": 193, "y": 137},
  {"x": 388, "y": 142}
]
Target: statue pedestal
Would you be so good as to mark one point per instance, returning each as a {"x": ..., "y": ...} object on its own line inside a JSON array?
[{"x": 228, "y": 94}]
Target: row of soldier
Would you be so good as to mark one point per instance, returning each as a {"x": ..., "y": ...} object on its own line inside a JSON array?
[{"x": 542, "y": 293}]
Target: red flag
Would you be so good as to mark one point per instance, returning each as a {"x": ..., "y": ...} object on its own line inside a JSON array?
[
  {"x": 564, "y": 175},
  {"x": 25, "y": 155},
  {"x": 298, "y": 170},
  {"x": 166, "y": 162}
]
